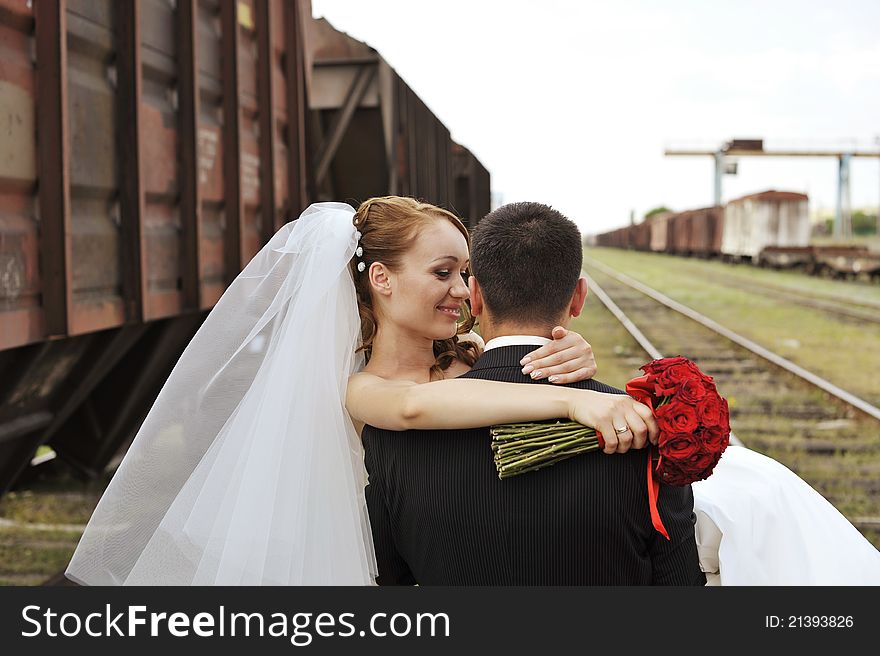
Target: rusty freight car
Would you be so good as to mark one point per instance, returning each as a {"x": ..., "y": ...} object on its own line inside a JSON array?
[{"x": 149, "y": 150}]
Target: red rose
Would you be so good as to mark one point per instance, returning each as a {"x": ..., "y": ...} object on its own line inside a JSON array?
[
  {"x": 678, "y": 476},
  {"x": 691, "y": 391},
  {"x": 641, "y": 389},
  {"x": 709, "y": 411},
  {"x": 657, "y": 366},
  {"x": 676, "y": 417},
  {"x": 713, "y": 439},
  {"x": 678, "y": 447},
  {"x": 698, "y": 463},
  {"x": 672, "y": 475}
]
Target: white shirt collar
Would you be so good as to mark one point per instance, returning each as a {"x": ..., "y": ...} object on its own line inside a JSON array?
[{"x": 515, "y": 340}]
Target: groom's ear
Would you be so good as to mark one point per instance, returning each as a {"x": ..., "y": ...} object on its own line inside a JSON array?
[
  {"x": 476, "y": 297},
  {"x": 578, "y": 298}
]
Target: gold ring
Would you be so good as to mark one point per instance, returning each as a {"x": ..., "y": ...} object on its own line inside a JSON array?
[{"x": 620, "y": 431}]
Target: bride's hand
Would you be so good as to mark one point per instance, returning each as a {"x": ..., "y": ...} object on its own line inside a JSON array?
[
  {"x": 608, "y": 412},
  {"x": 567, "y": 359}
]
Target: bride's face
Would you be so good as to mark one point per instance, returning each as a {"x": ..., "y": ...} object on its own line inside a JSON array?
[{"x": 428, "y": 290}]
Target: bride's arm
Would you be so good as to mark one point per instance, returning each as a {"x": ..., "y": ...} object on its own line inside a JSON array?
[{"x": 469, "y": 403}]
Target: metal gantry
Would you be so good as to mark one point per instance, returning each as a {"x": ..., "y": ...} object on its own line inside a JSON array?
[{"x": 755, "y": 148}]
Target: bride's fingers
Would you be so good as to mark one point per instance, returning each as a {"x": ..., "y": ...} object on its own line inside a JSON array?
[
  {"x": 563, "y": 340},
  {"x": 572, "y": 377},
  {"x": 638, "y": 428},
  {"x": 609, "y": 436},
  {"x": 560, "y": 363},
  {"x": 647, "y": 416},
  {"x": 625, "y": 438}
]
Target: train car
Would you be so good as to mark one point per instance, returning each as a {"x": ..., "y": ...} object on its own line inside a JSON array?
[
  {"x": 619, "y": 238},
  {"x": 706, "y": 224},
  {"x": 679, "y": 234},
  {"x": 845, "y": 262},
  {"x": 471, "y": 199},
  {"x": 769, "y": 218},
  {"x": 640, "y": 236},
  {"x": 172, "y": 140},
  {"x": 375, "y": 136},
  {"x": 659, "y": 240}
]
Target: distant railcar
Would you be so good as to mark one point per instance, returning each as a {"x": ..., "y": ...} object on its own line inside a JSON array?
[
  {"x": 770, "y": 218},
  {"x": 706, "y": 225},
  {"x": 769, "y": 229},
  {"x": 640, "y": 236},
  {"x": 659, "y": 227},
  {"x": 680, "y": 233}
]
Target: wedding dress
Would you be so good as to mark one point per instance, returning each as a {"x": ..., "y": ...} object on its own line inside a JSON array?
[{"x": 758, "y": 523}]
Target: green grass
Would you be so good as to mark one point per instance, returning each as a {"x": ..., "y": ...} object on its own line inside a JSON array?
[
  {"x": 41, "y": 528},
  {"x": 30, "y": 557}
]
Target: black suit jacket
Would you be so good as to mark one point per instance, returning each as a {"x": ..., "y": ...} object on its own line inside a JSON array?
[{"x": 441, "y": 516}]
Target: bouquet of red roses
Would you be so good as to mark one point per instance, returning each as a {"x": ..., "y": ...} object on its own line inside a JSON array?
[{"x": 693, "y": 418}]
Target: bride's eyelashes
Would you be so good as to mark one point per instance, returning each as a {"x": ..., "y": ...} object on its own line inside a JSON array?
[{"x": 445, "y": 273}]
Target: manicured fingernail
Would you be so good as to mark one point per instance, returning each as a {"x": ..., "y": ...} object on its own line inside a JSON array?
[
  {"x": 526, "y": 360},
  {"x": 528, "y": 368},
  {"x": 537, "y": 374},
  {"x": 553, "y": 379}
]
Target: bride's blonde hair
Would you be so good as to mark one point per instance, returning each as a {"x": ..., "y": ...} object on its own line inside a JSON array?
[{"x": 389, "y": 226}]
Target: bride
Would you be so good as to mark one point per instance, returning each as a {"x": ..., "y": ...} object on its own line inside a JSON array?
[{"x": 248, "y": 469}]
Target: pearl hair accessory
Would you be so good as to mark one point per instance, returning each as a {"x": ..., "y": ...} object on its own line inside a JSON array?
[{"x": 359, "y": 252}]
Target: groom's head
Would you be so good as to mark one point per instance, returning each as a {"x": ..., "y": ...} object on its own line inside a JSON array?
[{"x": 526, "y": 262}]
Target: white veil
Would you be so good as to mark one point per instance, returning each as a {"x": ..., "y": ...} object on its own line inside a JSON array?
[{"x": 247, "y": 469}]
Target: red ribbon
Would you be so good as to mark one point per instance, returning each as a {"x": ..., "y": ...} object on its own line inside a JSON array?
[{"x": 653, "y": 493}]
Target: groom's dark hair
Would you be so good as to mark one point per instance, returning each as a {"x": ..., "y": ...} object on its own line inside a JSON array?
[{"x": 527, "y": 258}]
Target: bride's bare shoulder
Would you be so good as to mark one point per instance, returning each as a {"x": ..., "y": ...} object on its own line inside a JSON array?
[{"x": 363, "y": 380}]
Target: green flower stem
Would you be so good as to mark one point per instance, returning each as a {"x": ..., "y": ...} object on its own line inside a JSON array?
[
  {"x": 552, "y": 461},
  {"x": 572, "y": 447},
  {"x": 548, "y": 439},
  {"x": 517, "y": 460},
  {"x": 503, "y": 458}
]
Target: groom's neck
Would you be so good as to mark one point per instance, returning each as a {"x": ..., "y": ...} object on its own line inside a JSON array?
[{"x": 490, "y": 330}]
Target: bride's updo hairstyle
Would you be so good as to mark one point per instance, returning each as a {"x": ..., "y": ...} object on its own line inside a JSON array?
[{"x": 389, "y": 227}]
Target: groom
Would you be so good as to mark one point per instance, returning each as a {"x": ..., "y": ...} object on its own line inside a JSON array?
[{"x": 439, "y": 513}]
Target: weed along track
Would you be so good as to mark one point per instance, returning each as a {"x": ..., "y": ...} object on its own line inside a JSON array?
[{"x": 830, "y": 437}]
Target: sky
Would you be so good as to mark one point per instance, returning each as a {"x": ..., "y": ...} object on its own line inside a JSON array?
[{"x": 572, "y": 103}]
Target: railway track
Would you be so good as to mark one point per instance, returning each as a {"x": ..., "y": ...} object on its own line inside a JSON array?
[{"x": 830, "y": 437}]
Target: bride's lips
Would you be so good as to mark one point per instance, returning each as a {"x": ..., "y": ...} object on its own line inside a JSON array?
[{"x": 449, "y": 311}]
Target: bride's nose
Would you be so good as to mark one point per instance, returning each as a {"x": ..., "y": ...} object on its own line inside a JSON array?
[{"x": 460, "y": 289}]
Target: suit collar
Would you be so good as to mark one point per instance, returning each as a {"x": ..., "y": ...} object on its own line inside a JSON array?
[{"x": 503, "y": 356}]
